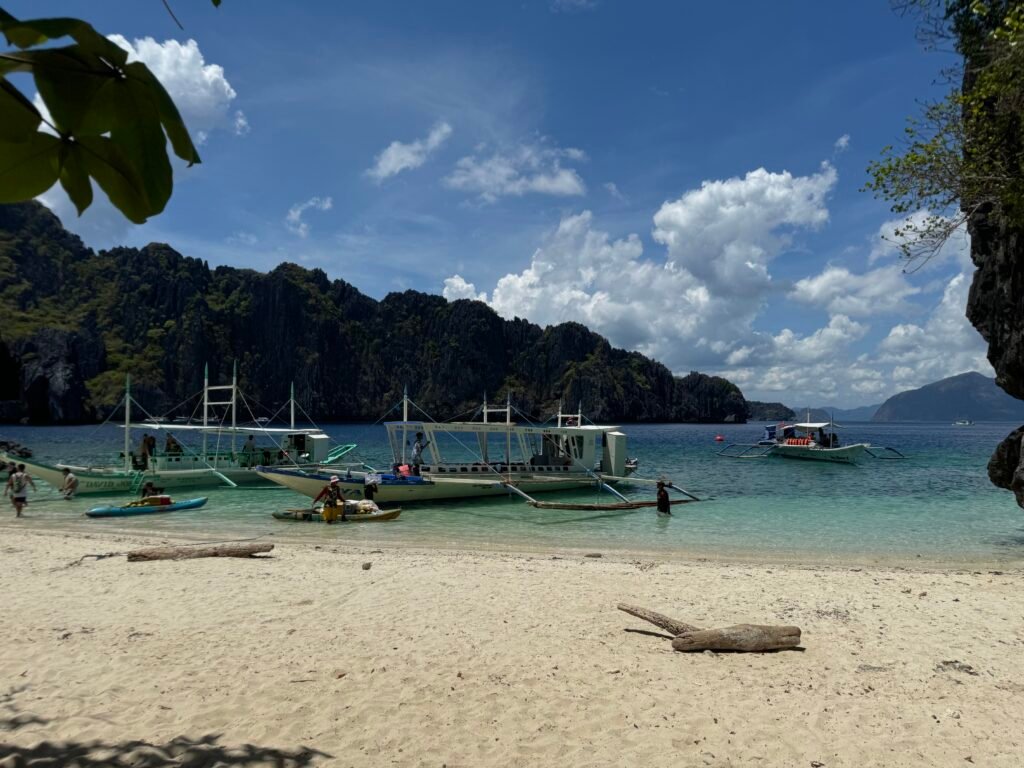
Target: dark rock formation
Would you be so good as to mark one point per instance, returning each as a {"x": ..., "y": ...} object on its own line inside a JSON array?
[
  {"x": 757, "y": 411},
  {"x": 995, "y": 307},
  {"x": 1005, "y": 468},
  {"x": 79, "y": 321}
]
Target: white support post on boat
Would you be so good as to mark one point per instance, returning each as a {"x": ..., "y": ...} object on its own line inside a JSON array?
[
  {"x": 127, "y": 422},
  {"x": 291, "y": 402},
  {"x": 485, "y": 407},
  {"x": 234, "y": 403},
  {"x": 206, "y": 404},
  {"x": 508, "y": 432},
  {"x": 405, "y": 419}
]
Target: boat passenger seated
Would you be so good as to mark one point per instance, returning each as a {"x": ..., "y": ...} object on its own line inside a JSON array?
[{"x": 148, "y": 489}]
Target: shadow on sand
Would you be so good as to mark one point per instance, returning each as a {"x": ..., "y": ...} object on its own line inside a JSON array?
[{"x": 181, "y": 752}]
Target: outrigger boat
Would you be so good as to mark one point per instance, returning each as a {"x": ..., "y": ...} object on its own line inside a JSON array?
[
  {"x": 807, "y": 441},
  {"x": 149, "y": 505},
  {"x": 523, "y": 459},
  {"x": 219, "y": 460},
  {"x": 357, "y": 511}
]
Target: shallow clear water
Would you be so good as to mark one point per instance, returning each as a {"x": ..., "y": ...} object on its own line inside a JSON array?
[{"x": 938, "y": 505}]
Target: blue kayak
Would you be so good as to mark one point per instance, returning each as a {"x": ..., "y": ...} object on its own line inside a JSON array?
[{"x": 151, "y": 505}]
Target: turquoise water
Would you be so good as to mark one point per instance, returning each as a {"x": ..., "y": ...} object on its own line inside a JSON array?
[{"x": 936, "y": 507}]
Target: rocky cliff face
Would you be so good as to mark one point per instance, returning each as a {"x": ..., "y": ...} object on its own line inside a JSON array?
[
  {"x": 995, "y": 307},
  {"x": 77, "y": 321}
]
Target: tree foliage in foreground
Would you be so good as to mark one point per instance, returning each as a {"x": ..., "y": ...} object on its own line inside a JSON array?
[
  {"x": 110, "y": 120},
  {"x": 963, "y": 154}
]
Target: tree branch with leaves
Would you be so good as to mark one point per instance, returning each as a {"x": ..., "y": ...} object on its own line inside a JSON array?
[{"x": 109, "y": 120}]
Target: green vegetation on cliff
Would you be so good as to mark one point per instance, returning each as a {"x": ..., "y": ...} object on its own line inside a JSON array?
[{"x": 77, "y": 321}]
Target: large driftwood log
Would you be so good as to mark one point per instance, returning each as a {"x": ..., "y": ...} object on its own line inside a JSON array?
[
  {"x": 740, "y": 637},
  {"x": 658, "y": 620},
  {"x": 187, "y": 553}
]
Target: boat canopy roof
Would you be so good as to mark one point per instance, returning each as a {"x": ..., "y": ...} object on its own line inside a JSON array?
[
  {"x": 498, "y": 426},
  {"x": 156, "y": 427},
  {"x": 816, "y": 425}
]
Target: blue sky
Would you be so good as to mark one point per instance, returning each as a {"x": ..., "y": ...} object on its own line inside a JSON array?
[{"x": 683, "y": 178}]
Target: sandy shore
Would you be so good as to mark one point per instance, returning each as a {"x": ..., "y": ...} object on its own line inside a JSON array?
[{"x": 483, "y": 658}]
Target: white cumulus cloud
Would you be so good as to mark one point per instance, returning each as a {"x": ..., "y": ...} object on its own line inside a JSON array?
[
  {"x": 840, "y": 291},
  {"x": 456, "y": 287},
  {"x": 200, "y": 90},
  {"x": 842, "y": 143},
  {"x": 293, "y": 221},
  {"x": 399, "y": 156},
  {"x": 727, "y": 232},
  {"x": 527, "y": 168}
]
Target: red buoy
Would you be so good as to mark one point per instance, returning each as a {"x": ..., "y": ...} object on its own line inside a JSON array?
[{"x": 719, "y": 439}]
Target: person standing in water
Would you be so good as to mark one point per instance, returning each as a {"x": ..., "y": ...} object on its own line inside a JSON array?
[
  {"x": 664, "y": 505},
  {"x": 334, "y": 500},
  {"x": 17, "y": 488},
  {"x": 69, "y": 487}
]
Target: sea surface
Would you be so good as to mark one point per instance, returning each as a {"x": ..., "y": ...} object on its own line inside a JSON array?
[{"x": 935, "y": 507}]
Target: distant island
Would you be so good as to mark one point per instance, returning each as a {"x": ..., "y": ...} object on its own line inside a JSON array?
[
  {"x": 969, "y": 396},
  {"x": 76, "y": 321},
  {"x": 827, "y": 412},
  {"x": 758, "y": 411}
]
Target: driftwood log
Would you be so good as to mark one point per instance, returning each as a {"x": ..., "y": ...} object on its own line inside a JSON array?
[
  {"x": 187, "y": 553},
  {"x": 741, "y": 637}
]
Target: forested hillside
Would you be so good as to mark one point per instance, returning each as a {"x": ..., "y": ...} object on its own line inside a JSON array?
[{"x": 75, "y": 321}]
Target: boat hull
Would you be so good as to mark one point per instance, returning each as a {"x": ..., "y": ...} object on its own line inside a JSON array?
[
  {"x": 847, "y": 454},
  {"x": 429, "y": 488},
  {"x": 155, "y": 509},
  {"x": 306, "y": 516},
  {"x": 92, "y": 480}
]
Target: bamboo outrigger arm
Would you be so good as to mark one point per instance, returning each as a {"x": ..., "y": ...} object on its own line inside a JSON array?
[{"x": 644, "y": 480}]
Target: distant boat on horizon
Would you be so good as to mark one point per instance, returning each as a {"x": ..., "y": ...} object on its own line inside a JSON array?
[{"x": 963, "y": 423}]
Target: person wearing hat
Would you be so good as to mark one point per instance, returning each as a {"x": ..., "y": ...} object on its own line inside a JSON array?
[
  {"x": 664, "y": 506},
  {"x": 334, "y": 499}
]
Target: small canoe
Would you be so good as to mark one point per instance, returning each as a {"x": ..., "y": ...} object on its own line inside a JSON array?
[
  {"x": 151, "y": 505},
  {"x": 307, "y": 516}
]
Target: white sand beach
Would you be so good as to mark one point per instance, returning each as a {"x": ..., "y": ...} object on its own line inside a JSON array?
[{"x": 456, "y": 658}]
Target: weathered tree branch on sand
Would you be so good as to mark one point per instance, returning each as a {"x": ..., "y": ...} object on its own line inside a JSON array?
[
  {"x": 658, "y": 620},
  {"x": 740, "y": 637},
  {"x": 188, "y": 553}
]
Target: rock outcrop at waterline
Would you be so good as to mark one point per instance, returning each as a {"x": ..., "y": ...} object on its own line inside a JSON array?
[
  {"x": 995, "y": 307},
  {"x": 76, "y": 321}
]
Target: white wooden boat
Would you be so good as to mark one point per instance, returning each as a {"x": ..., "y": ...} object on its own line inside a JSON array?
[
  {"x": 807, "y": 441},
  {"x": 223, "y": 457},
  {"x": 494, "y": 455}
]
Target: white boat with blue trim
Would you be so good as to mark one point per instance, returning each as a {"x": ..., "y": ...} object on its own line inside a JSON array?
[
  {"x": 807, "y": 441},
  {"x": 226, "y": 455},
  {"x": 479, "y": 458}
]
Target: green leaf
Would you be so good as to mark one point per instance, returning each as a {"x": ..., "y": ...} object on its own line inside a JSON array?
[
  {"x": 116, "y": 176},
  {"x": 74, "y": 177},
  {"x": 170, "y": 118},
  {"x": 68, "y": 80},
  {"x": 20, "y": 117},
  {"x": 28, "y": 168},
  {"x": 29, "y": 33},
  {"x": 137, "y": 133}
]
